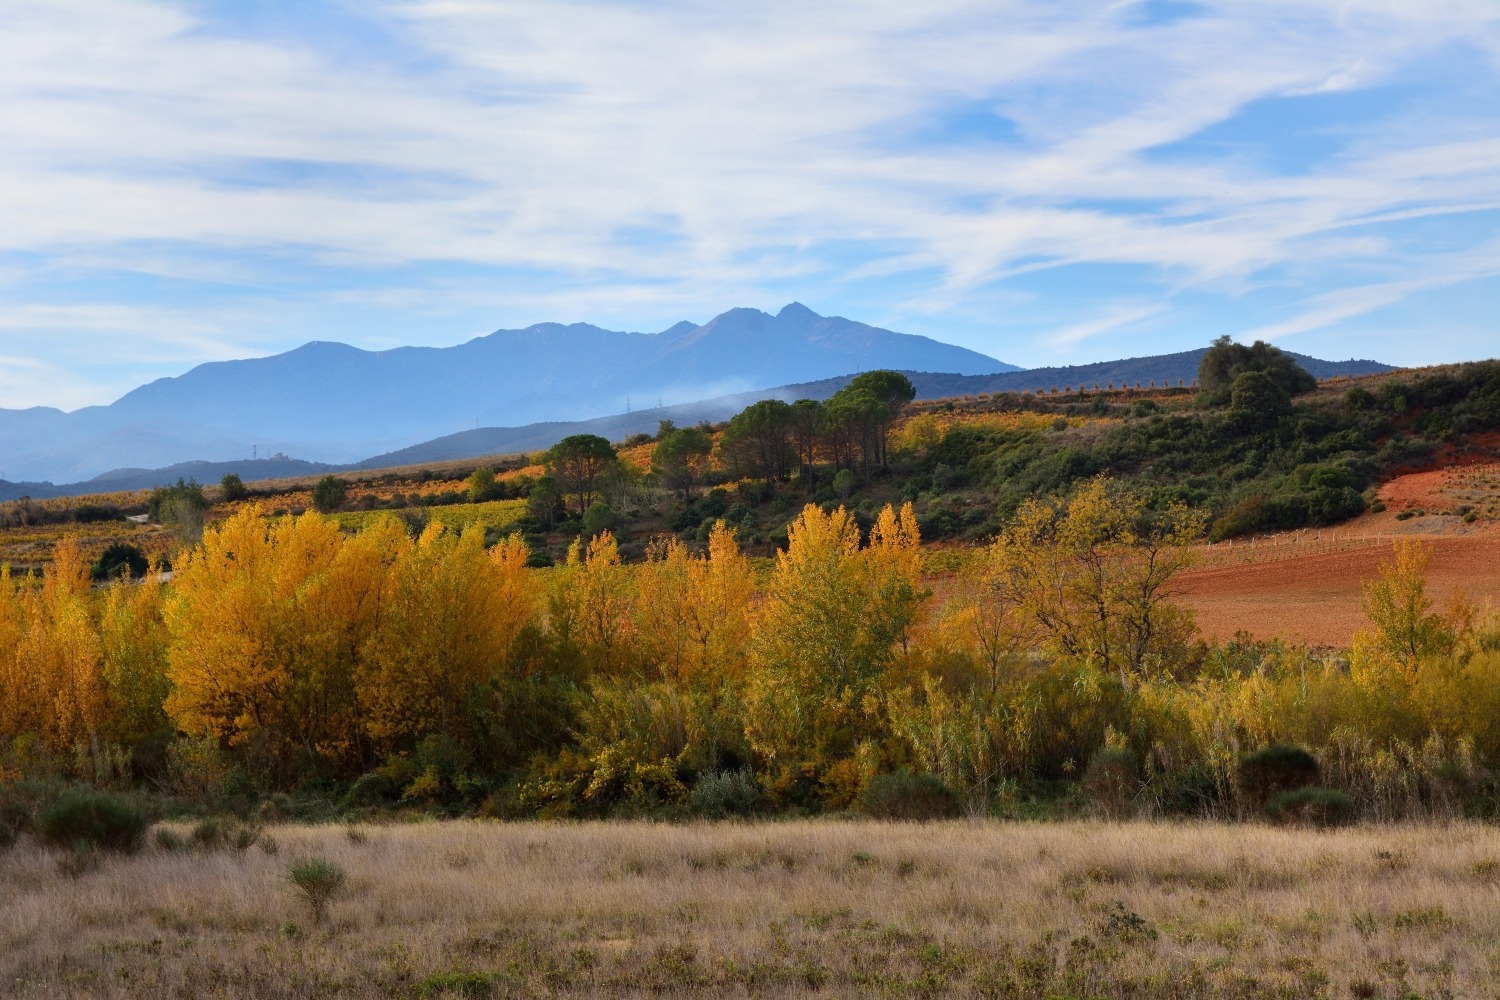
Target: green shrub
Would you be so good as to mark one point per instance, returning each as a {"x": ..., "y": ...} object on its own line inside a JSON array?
[
  {"x": 599, "y": 517},
  {"x": 907, "y": 796},
  {"x": 120, "y": 559},
  {"x": 84, "y": 815},
  {"x": 372, "y": 789},
  {"x": 217, "y": 834},
  {"x": 1276, "y": 769},
  {"x": 232, "y": 488},
  {"x": 455, "y": 984},
  {"x": 208, "y": 834},
  {"x": 721, "y": 794},
  {"x": 1405, "y": 515},
  {"x": 1111, "y": 781},
  {"x": 1311, "y": 807},
  {"x": 170, "y": 840},
  {"x": 319, "y": 881},
  {"x": 329, "y": 494}
]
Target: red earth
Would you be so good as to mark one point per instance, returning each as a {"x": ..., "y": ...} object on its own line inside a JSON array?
[{"x": 1306, "y": 586}]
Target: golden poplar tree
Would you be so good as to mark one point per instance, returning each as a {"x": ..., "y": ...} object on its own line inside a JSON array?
[
  {"x": 266, "y": 625},
  {"x": 1091, "y": 576},
  {"x": 833, "y": 620},
  {"x": 58, "y": 657},
  {"x": 693, "y": 612},
  {"x": 1403, "y": 622},
  {"x": 591, "y": 609},
  {"x": 134, "y": 639},
  {"x": 452, "y": 615}
]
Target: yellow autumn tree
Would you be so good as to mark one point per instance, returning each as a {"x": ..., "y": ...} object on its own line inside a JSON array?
[
  {"x": 981, "y": 617},
  {"x": 833, "y": 619},
  {"x": 1091, "y": 576},
  {"x": 58, "y": 656},
  {"x": 266, "y": 624},
  {"x": 692, "y": 611},
  {"x": 591, "y": 605},
  {"x": 1404, "y": 624},
  {"x": 133, "y": 635},
  {"x": 452, "y": 614}
]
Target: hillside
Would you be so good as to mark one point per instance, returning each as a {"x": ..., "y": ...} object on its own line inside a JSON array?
[
  {"x": 330, "y": 402},
  {"x": 1166, "y": 369},
  {"x": 1169, "y": 369}
]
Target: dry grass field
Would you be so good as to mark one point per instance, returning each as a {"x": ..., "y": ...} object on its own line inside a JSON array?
[{"x": 827, "y": 909}]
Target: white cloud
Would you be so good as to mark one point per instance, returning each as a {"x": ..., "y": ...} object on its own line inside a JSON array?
[{"x": 687, "y": 156}]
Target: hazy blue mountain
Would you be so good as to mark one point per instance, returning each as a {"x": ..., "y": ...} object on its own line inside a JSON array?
[
  {"x": 331, "y": 402},
  {"x": 484, "y": 441},
  {"x": 1162, "y": 369}
]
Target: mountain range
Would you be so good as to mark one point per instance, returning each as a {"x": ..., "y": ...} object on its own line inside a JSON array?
[
  {"x": 333, "y": 403},
  {"x": 1169, "y": 369},
  {"x": 336, "y": 406}
]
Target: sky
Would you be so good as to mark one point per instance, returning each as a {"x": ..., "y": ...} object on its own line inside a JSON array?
[{"x": 1046, "y": 181}]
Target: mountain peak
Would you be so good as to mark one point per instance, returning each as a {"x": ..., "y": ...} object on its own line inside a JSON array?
[
  {"x": 796, "y": 310},
  {"x": 329, "y": 401}
]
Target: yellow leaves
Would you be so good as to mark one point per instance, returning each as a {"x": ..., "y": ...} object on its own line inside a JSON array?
[
  {"x": 244, "y": 609},
  {"x": 51, "y": 687},
  {"x": 1403, "y": 625},
  {"x": 693, "y": 611},
  {"x": 1091, "y": 575},
  {"x": 593, "y": 600},
  {"x": 452, "y": 615},
  {"x": 301, "y": 637},
  {"x": 833, "y": 619}
]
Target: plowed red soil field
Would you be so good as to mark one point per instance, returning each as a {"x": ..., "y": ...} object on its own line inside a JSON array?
[
  {"x": 1316, "y": 598},
  {"x": 1306, "y": 587}
]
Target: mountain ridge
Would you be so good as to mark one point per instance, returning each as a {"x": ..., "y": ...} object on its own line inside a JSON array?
[
  {"x": 537, "y": 435},
  {"x": 335, "y": 403}
]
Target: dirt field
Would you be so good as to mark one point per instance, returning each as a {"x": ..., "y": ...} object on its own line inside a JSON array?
[
  {"x": 1306, "y": 586},
  {"x": 797, "y": 909}
]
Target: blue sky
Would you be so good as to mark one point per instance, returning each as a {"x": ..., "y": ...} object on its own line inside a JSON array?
[{"x": 1049, "y": 182}]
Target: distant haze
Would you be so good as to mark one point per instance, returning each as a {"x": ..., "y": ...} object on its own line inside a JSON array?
[{"x": 330, "y": 402}]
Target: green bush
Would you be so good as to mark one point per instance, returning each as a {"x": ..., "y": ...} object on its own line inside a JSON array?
[
  {"x": 599, "y": 517},
  {"x": 232, "y": 488},
  {"x": 319, "y": 881},
  {"x": 372, "y": 789},
  {"x": 170, "y": 840},
  {"x": 329, "y": 494},
  {"x": 119, "y": 559},
  {"x": 1267, "y": 773},
  {"x": 907, "y": 796},
  {"x": 1311, "y": 807},
  {"x": 87, "y": 816},
  {"x": 1111, "y": 781},
  {"x": 219, "y": 834},
  {"x": 455, "y": 984},
  {"x": 721, "y": 794}
]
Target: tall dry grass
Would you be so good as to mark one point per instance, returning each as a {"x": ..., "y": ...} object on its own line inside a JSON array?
[{"x": 829, "y": 909}]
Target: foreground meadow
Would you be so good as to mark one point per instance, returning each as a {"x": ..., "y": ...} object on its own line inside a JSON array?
[{"x": 829, "y": 909}]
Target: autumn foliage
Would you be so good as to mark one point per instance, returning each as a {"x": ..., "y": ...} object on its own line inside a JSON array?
[{"x": 285, "y": 654}]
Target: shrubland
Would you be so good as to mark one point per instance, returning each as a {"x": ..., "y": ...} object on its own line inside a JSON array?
[
  {"x": 453, "y": 660},
  {"x": 290, "y": 666},
  {"x": 197, "y": 769}
]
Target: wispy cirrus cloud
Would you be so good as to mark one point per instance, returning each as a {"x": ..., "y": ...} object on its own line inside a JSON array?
[{"x": 1039, "y": 180}]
